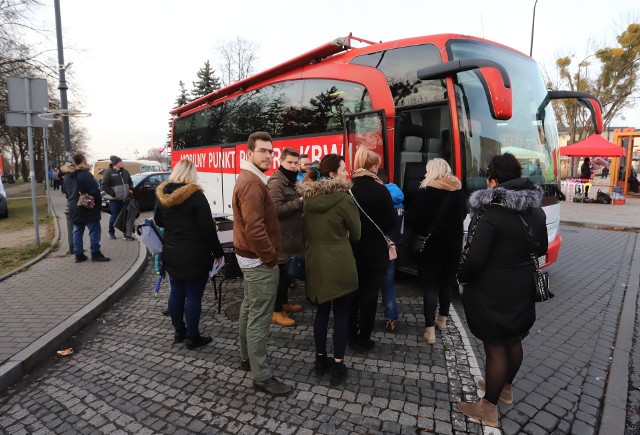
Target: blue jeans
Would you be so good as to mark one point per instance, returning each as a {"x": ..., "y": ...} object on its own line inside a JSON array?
[
  {"x": 94, "y": 237},
  {"x": 185, "y": 304},
  {"x": 115, "y": 207},
  {"x": 389, "y": 293}
]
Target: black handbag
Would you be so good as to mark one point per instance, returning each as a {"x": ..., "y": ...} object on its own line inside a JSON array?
[
  {"x": 295, "y": 268},
  {"x": 418, "y": 243},
  {"x": 540, "y": 278}
]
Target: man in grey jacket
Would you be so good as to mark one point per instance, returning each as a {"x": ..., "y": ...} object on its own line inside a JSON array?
[{"x": 116, "y": 182}]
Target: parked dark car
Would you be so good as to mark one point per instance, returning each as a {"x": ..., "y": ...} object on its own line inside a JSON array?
[
  {"x": 144, "y": 189},
  {"x": 4, "y": 209}
]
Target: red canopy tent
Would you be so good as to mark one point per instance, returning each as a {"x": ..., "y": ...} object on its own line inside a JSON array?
[{"x": 594, "y": 145}]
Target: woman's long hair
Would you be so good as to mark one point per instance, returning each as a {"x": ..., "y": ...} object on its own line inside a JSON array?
[
  {"x": 365, "y": 159},
  {"x": 184, "y": 172},
  {"x": 436, "y": 168},
  {"x": 329, "y": 163}
]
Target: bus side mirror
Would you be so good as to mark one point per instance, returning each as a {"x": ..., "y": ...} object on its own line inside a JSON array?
[
  {"x": 492, "y": 75},
  {"x": 586, "y": 100}
]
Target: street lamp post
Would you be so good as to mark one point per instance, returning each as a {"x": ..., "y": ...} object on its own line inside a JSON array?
[
  {"x": 533, "y": 24},
  {"x": 62, "y": 84},
  {"x": 575, "y": 110}
]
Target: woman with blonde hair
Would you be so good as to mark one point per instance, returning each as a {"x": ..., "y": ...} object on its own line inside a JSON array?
[
  {"x": 378, "y": 216},
  {"x": 438, "y": 209},
  {"x": 190, "y": 246}
]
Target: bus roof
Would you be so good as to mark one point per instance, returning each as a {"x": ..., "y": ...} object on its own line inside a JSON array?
[{"x": 338, "y": 45}]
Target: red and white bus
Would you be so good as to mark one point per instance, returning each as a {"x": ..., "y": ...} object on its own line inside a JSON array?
[{"x": 451, "y": 96}]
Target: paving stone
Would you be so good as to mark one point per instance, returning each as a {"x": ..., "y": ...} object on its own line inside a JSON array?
[
  {"x": 129, "y": 377},
  {"x": 581, "y": 428}
]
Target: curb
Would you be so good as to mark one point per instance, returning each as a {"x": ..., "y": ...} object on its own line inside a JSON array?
[
  {"x": 54, "y": 242},
  {"x": 18, "y": 365},
  {"x": 614, "y": 413},
  {"x": 601, "y": 226}
]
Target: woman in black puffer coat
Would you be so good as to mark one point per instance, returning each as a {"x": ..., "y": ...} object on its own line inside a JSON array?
[
  {"x": 497, "y": 271},
  {"x": 190, "y": 246}
]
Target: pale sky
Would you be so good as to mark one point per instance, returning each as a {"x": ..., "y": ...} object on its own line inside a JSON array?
[{"x": 129, "y": 56}]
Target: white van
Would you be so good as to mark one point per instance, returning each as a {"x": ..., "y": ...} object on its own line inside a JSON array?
[{"x": 132, "y": 166}]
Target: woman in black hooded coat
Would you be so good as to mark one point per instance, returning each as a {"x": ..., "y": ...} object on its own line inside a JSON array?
[
  {"x": 191, "y": 247},
  {"x": 497, "y": 271}
]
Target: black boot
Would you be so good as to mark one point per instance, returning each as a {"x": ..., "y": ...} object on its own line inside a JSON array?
[
  {"x": 323, "y": 363},
  {"x": 193, "y": 342},
  {"x": 97, "y": 256},
  {"x": 80, "y": 258},
  {"x": 338, "y": 373}
]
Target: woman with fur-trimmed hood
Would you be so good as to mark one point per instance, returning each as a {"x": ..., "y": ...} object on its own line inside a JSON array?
[
  {"x": 496, "y": 271},
  {"x": 330, "y": 220},
  {"x": 190, "y": 246}
]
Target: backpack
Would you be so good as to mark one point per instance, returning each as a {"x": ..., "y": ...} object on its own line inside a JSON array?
[
  {"x": 151, "y": 235},
  {"x": 603, "y": 198}
]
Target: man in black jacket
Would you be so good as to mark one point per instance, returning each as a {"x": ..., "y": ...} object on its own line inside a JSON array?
[
  {"x": 116, "y": 182},
  {"x": 79, "y": 181}
]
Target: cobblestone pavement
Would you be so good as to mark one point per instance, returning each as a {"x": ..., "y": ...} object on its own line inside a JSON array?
[
  {"x": 561, "y": 385},
  {"x": 54, "y": 289},
  {"x": 126, "y": 376},
  {"x": 633, "y": 403}
]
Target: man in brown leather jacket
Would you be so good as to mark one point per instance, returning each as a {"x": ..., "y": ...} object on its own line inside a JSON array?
[{"x": 256, "y": 238}]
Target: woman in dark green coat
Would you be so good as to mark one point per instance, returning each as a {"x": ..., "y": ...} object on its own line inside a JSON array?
[{"x": 330, "y": 220}]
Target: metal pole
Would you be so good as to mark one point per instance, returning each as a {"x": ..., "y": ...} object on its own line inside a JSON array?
[
  {"x": 64, "y": 106},
  {"x": 45, "y": 139},
  {"x": 32, "y": 172},
  {"x": 63, "y": 84},
  {"x": 533, "y": 25}
]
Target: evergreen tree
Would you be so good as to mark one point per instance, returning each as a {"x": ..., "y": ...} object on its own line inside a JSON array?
[
  {"x": 183, "y": 96},
  {"x": 207, "y": 82}
]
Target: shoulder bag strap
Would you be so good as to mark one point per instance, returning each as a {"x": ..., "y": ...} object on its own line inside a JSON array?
[
  {"x": 529, "y": 232},
  {"x": 368, "y": 217}
]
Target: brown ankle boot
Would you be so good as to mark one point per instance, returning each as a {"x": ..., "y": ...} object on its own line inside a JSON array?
[
  {"x": 441, "y": 323},
  {"x": 482, "y": 410},
  {"x": 506, "y": 395},
  {"x": 430, "y": 334}
]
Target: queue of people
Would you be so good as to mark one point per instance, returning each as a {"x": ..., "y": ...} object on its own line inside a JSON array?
[{"x": 339, "y": 225}]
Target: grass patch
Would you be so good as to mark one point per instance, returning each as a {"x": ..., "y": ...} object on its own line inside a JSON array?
[
  {"x": 21, "y": 218},
  {"x": 21, "y": 214},
  {"x": 11, "y": 258}
]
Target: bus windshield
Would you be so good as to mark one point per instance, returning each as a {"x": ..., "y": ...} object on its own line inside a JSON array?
[{"x": 530, "y": 135}]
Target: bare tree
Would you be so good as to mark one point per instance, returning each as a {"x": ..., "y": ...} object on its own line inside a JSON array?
[
  {"x": 157, "y": 155},
  {"x": 237, "y": 59},
  {"x": 614, "y": 79}
]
